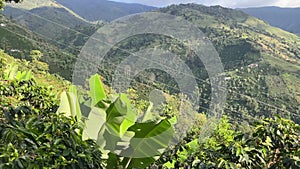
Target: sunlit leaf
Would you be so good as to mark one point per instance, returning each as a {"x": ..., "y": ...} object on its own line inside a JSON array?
[{"x": 96, "y": 90}]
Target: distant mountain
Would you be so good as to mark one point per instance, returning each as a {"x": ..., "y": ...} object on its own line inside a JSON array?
[
  {"x": 284, "y": 18},
  {"x": 94, "y": 10}
]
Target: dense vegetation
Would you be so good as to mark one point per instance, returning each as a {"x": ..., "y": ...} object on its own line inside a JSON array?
[
  {"x": 35, "y": 134},
  {"x": 47, "y": 123},
  {"x": 261, "y": 62},
  {"x": 32, "y": 134}
]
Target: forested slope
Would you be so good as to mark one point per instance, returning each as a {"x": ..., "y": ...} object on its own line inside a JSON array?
[
  {"x": 262, "y": 63},
  {"x": 19, "y": 41}
]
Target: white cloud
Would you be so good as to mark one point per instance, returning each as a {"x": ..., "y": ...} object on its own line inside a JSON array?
[
  {"x": 288, "y": 3},
  {"x": 226, "y": 3}
]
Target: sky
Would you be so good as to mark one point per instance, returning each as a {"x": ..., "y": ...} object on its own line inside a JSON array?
[{"x": 225, "y": 3}]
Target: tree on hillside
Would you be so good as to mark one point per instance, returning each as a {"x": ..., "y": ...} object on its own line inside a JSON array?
[{"x": 36, "y": 54}]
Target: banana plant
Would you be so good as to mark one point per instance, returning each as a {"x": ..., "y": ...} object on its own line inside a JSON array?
[
  {"x": 112, "y": 123},
  {"x": 69, "y": 104},
  {"x": 12, "y": 73}
]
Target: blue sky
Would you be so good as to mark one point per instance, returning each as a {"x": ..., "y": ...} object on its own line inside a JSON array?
[{"x": 226, "y": 3}]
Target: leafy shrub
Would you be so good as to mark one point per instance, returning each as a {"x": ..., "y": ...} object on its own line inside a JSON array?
[
  {"x": 45, "y": 141},
  {"x": 274, "y": 143}
]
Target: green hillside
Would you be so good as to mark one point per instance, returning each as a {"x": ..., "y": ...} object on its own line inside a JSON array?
[
  {"x": 94, "y": 10},
  {"x": 42, "y": 77},
  {"x": 46, "y": 21},
  {"x": 19, "y": 41},
  {"x": 242, "y": 40},
  {"x": 260, "y": 61},
  {"x": 32, "y": 4},
  {"x": 74, "y": 40}
]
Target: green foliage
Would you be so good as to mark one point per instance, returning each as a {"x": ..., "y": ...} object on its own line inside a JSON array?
[
  {"x": 27, "y": 70},
  {"x": 144, "y": 141},
  {"x": 36, "y": 55},
  {"x": 12, "y": 73},
  {"x": 69, "y": 105},
  {"x": 32, "y": 135},
  {"x": 19, "y": 88},
  {"x": 2, "y": 5},
  {"x": 26, "y": 93},
  {"x": 45, "y": 141},
  {"x": 274, "y": 143},
  {"x": 280, "y": 138},
  {"x": 97, "y": 91}
]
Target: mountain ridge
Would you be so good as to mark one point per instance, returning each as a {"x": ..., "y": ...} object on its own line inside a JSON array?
[
  {"x": 29, "y": 5},
  {"x": 103, "y": 9},
  {"x": 284, "y": 18}
]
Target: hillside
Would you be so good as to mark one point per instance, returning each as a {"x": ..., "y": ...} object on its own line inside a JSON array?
[
  {"x": 43, "y": 78},
  {"x": 94, "y": 10},
  {"x": 259, "y": 59},
  {"x": 18, "y": 41},
  {"x": 47, "y": 18},
  {"x": 29, "y": 5},
  {"x": 284, "y": 18},
  {"x": 32, "y": 126},
  {"x": 262, "y": 62},
  {"x": 242, "y": 42}
]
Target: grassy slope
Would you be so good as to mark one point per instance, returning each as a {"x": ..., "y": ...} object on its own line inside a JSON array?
[
  {"x": 29, "y": 5},
  {"x": 103, "y": 9},
  {"x": 46, "y": 18}
]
